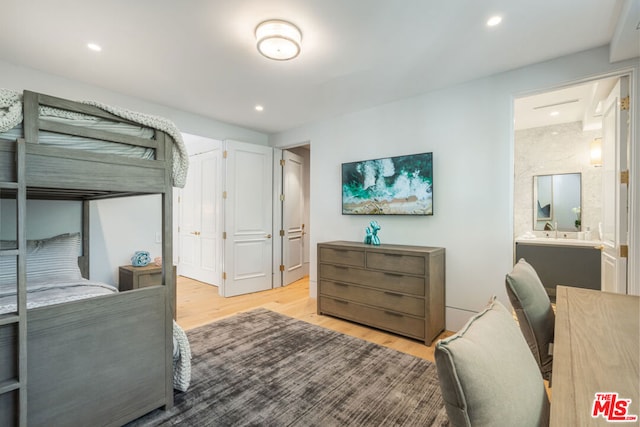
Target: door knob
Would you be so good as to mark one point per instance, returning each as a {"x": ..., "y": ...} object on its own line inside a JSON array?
[
  {"x": 195, "y": 233},
  {"x": 268, "y": 236}
]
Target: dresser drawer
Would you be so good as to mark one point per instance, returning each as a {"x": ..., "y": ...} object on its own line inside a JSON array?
[
  {"x": 383, "y": 299},
  {"x": 379, "y": 318},
  {"x": 375, "y": 279},
  {"x": 400, "y": 263},
  {"x": 342, "y": 256}
]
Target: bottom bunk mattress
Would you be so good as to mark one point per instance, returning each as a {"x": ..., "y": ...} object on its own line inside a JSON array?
[
  {"x": 52, "y": 273},
  {"x": 53, "y": 277},
  {"x": 46, "y": 292}
]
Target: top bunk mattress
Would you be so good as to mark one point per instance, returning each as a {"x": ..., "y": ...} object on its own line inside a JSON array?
[
  {"x": 89, "y": 144},
  {"x": 135, "y": 125}
]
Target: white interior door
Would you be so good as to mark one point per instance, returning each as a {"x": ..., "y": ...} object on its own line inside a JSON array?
[
  {"x": 615, "y": 134},
  {"x": 200, "y": 213},
  {"x": 248, "y": 217},
  {"x": 292, "y": 217}
]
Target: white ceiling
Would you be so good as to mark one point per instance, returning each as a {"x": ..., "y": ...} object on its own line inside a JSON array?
[
  {"x": 200, "y": 55},
  {"x": 578, "y": 103}
]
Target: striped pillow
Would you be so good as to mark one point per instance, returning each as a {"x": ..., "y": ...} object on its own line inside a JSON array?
[{"x": 52, "y": 259}]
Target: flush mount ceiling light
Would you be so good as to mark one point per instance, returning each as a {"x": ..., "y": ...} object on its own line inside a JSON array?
[{"x": 278, "y": 40}]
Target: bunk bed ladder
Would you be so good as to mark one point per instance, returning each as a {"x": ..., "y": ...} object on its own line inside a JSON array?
[{"x": 13, "y": 326}]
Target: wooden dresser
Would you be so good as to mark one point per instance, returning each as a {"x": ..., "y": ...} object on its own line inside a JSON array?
[{"x": 397, "y": 288}]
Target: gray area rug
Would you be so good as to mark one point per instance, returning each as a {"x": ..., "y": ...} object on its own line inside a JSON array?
[{"x": 261, "y": 368}]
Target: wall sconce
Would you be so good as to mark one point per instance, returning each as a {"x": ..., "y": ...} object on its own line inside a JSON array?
[
  {"x": 596, "y": 152},
  {"x": 278, "y": 40}
]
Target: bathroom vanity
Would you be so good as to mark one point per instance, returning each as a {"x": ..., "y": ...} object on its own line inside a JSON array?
[{"x": 568, "y": 262}]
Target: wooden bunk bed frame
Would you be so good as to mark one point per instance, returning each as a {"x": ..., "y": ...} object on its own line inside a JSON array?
[{"x": 98, "y": 361}]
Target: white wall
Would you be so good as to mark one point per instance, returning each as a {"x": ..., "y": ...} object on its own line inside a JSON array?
[
  {"x": 469, "y": 129},
  {"x": 119, "y": 227},
  {"x": 42, "y": 218}
]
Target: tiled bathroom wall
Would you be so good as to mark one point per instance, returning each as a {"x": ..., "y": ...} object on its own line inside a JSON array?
[{"x": 563, "y": 148}]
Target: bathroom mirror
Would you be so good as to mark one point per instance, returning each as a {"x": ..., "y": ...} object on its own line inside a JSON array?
[{"x": 557, "y": 202}]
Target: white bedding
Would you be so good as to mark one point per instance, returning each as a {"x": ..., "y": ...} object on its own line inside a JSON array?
[
  {"x": 181, "y": 359},
  {"x": 96, "y": 146},
  {"x": 44, "y": 293}
]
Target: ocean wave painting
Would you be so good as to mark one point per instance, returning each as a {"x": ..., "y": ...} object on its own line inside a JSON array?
[{"x": 401, "y": 185}]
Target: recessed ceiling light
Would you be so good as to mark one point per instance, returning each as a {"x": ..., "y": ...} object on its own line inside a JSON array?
[
  {"x": 94, "y": 47},
  {"x": 554, "y": 113},
  {"x": 494, "y": 20},
  {"x": 259, "y": 108}
]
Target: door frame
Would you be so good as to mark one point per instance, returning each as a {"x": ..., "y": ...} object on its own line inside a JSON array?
[
  {"x": 277, "y": 218},
  {"x": 633, "y": 260}
]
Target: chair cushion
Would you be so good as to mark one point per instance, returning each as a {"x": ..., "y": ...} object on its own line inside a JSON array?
[
  {"x": 488, "y": 375},
  {"x": 534, "y": 312}
]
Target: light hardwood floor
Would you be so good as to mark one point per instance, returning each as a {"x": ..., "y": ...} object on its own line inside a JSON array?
[{"x": 199, "y": 304}]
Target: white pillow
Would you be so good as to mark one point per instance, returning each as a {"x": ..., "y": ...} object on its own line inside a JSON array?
[{"x": 52, "y": 259}]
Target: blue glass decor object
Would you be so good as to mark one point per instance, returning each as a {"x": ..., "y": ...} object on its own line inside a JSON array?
[
  {"x": 140, "y": 259},
  {"x": 371, "y": 231},
  {"x": 367, "y": 238}
]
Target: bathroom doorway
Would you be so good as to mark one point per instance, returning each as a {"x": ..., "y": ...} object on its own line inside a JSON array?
[{"x": 558, "y": 132}]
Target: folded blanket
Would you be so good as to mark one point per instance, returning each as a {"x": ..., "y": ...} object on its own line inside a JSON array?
[{"x": 181, "y": 359}]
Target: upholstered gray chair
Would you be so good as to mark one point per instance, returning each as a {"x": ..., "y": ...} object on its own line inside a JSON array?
[
  {"x": 488, "y": 376},
  {"x": 534, "y": 312}
]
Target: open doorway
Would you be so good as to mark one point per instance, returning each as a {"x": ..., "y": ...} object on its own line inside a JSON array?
[
  {"x": 292, "y": 217},
  {"x": 561, "y": 133}
]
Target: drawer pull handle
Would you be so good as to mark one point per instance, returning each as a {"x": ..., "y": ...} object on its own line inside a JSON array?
[
  {"x": 391, "y": 313},
  {"x": 393, "y": 294},
  {"x": 393, "y": 274},
  {"x": 341, "y": 301}
]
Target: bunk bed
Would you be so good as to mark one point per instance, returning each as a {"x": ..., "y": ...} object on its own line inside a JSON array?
[{"x": 105, "y": 358}]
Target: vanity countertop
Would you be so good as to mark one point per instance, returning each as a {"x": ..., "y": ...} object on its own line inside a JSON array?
[{"x": 559, "y": 241}]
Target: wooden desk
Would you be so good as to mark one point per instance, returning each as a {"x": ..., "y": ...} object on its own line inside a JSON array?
[{"x": 596, "y": 349}]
